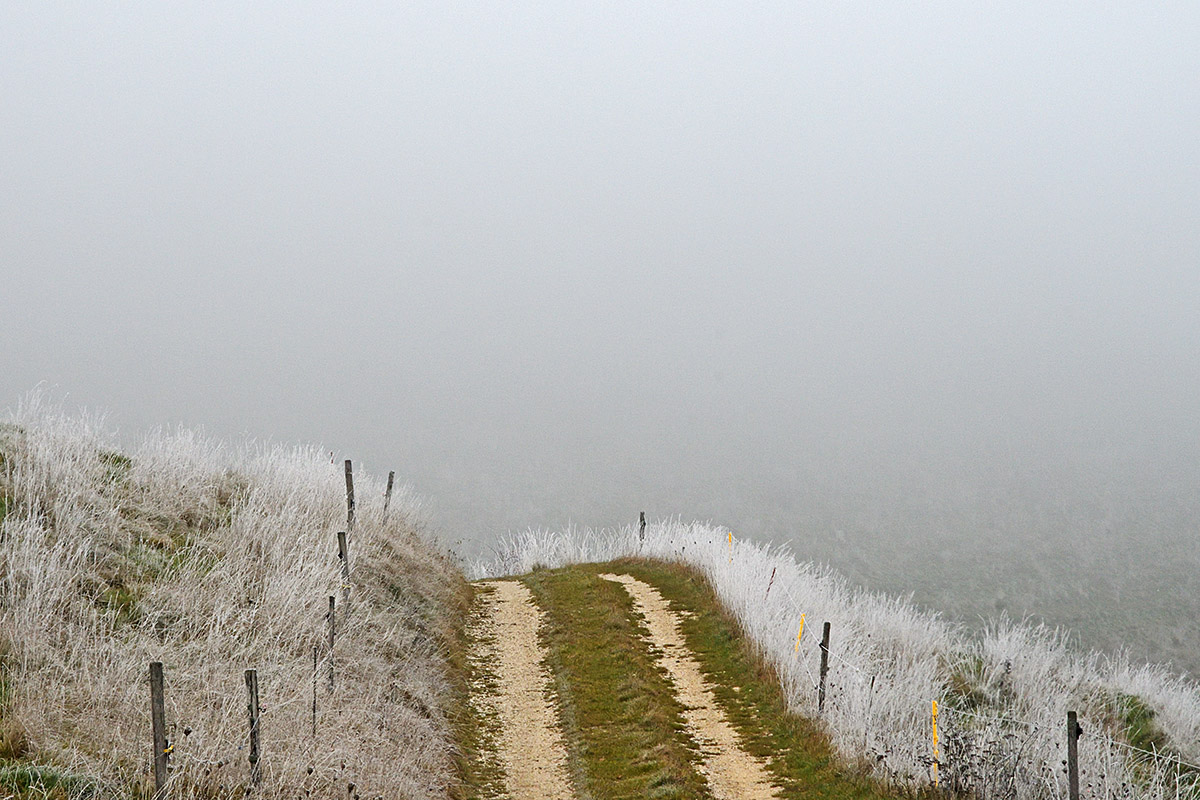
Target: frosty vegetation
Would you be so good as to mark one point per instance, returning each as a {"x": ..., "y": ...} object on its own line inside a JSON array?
[
  {"x": 212, "y": 559},
  {"x": 1003, "y": 697}
]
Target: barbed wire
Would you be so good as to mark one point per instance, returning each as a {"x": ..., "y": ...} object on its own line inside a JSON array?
[{"x": 854, "y": 667}]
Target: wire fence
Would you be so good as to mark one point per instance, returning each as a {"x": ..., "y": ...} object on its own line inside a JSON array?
[{"x": 981, "y": 740}]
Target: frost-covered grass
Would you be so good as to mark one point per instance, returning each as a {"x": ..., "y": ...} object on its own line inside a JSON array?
[
  {"x": 212, "y": 559},
  {"x": 1003, "y": 696}
]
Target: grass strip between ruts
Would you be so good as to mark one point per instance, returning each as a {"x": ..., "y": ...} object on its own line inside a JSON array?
[{"x": 623, "y": 724}]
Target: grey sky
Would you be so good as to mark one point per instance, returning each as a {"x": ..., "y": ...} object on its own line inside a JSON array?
[{"x": 791, "y": 266}]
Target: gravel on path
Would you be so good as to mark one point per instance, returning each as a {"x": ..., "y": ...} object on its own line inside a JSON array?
[{"x": 532, "y": 752}]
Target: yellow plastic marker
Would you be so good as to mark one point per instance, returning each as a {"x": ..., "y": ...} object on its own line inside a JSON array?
[
  {"x": 935, "y": 745},
  {"x": 799, "y": 633}
]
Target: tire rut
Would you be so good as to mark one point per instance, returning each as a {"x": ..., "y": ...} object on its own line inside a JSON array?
[
  {"x": 530, "y": 748},
  {"x": 731, "y": 772}
]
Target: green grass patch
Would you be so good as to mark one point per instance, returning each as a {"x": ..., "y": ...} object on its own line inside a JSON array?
[
  {"x": 796, "y": 750},
  {"x": 1137, "y": 718},
  {"x": 116, "y": 465},
  {"x": 622, "y": 721},
  {"x": 26, "y": 781}
]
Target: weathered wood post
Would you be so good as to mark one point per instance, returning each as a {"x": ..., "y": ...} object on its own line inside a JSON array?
[
  {"x": 642, "y": 528},
  {"x": 387, "y": 496},
  {"x": 330, "y": 617},
  {"x": 824, "y": 667},
  {"x": 314, "y": 708},
  {"x": 1073, "y": 731},
  {"x": 349, "y": 495},
  {"x": 252, "y": 709},
  {"x": 344, "y": 557},
  {"x": 158, "y": 726}
]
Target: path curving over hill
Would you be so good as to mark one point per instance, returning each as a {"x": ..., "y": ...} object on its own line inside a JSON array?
[{"x": 626, "y": 681}]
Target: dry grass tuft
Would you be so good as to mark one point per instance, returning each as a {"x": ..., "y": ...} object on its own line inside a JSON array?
[{"x": 214, "y": 559}]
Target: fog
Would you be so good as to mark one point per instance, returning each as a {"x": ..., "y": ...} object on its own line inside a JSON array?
[{"x": 912, "y": 287}]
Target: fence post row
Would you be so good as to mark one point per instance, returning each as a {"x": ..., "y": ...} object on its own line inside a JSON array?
[
  {"x": 158, "y": 725},
  {"x": 387, "y": 496},
  {"x": 253, "y": 710},
  {"x": 349, "y": 495},
  {"x": 824, "y": 667}
]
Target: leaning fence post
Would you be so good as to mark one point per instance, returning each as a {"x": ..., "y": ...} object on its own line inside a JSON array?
[
  {"x": 824, "y": 667},
  {"x": 158, "y": 725},
  {"x": 330, "y": 617},
  {"x": 641, "y": 528},
  {"x": 344, "y": 557},
  {"x": 252, "y": 708},
  {"x": 387, "y": 496},
  {"x": 349, "y": 495},
  {"x": 1073, "y": 731}
]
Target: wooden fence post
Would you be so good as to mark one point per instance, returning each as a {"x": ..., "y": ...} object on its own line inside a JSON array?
[
  {"x": 314, "y": 708},
  {"x": 1073, "y": 731},
  {"x": 387, "y": 496},
  {"x": 349, "y": 495},
  {"x": 330, "y": 616},
  {"x": 824, "y": 667},
  {"x": 158, "y": 725},
  {"x": 252, "y": 708},
  {"x": 641, "y": 527},
  {"x": 344, "y": 557}
]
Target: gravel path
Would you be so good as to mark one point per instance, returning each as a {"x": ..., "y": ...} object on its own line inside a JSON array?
[
  {"x": 530, "y": 744},
  {"x": 731, "y": 772}
]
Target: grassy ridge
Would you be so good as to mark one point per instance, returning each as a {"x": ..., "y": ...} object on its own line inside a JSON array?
[{"x": 623, "y": 724}]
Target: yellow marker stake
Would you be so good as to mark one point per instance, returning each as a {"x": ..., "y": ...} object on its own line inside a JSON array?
[
  {"x": 935, "y": 745},
  {"x": 799, "y": 633},
  {"x": 731, "y": 547}
]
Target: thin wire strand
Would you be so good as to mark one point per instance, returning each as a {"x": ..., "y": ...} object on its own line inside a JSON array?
[
  {"x": 1006, "y": 720},
  {"x": 1155, "y": 755}
]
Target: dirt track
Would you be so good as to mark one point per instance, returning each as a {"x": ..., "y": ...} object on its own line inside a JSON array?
[
  {"x": 528, "y": 743},
  {"x": 530, "y": 747}
]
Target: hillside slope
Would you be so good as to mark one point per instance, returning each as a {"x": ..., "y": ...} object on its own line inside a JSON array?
[
  {"x": 213, "y": 560},
  {"x": 1002, "y": 699}
]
